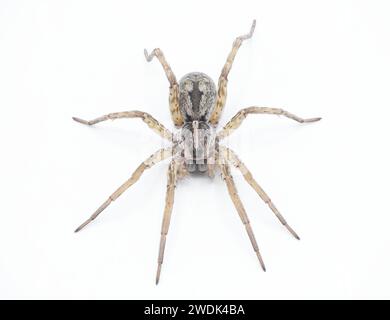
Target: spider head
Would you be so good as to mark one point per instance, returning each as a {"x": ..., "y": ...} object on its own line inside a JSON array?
[
  {"x": 197, "y": 95},
  {"x": 197, "y": 144}
]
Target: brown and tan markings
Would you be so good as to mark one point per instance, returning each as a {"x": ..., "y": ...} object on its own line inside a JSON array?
[{"x": 196, "y": 105}]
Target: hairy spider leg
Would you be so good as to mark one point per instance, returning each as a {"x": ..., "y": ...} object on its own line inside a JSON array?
[
  {"x": 225, "y": 169},
  {"x": 230, "y": 156},
  {"x": 155, "y": 125},
  {"x": 156, "y": 157},
  {"x": 223, "y": 78},
  {"x": 171, "y": 184},
  {"x": 173, "y": 85},
  {"x": 240, "y": 116}
]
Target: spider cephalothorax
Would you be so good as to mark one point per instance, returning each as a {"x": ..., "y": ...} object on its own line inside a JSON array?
[
  {"x": 196, "y": 107},
  {"x": 198, "y": 146}
]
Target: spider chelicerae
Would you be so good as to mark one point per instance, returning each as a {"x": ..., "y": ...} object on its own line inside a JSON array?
[{"x": 196, "y": 106}]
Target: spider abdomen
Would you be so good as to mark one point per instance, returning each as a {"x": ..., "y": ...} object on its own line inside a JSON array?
[{"x": 197, "y": 96}]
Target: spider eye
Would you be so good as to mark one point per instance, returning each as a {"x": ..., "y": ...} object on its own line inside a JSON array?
[{"x": 188, "y": 85}]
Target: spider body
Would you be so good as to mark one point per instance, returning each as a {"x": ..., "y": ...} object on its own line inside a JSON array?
[
  {"x": 197, "y": 97},
  {"x": 196, "y": 106}
]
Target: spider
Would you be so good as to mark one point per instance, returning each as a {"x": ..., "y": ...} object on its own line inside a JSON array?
[{"x": 196, "y": 106}]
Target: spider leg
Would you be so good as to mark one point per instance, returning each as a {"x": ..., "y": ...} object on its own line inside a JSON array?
[
  {"x": 172, "y": 178},
  {"x": 173, "y": 88},
  {"x": 231, "y": 157},
  {"x": 148, "y": 163},
  {"x": 225, "y": 169},
  {"x": 223, "y": 78},
  {"x": 237, "y": 120},
  {"x": 146, "y": 117}
]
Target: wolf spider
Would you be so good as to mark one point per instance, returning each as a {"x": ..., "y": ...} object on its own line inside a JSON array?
[{"x": 196, "y": 105}]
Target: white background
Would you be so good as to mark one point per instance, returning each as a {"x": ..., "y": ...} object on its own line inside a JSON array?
[{"x": 330, "y": 179}]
